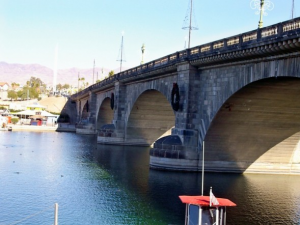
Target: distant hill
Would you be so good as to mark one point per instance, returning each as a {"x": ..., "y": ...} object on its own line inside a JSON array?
[{"x": 20, "y": 73}]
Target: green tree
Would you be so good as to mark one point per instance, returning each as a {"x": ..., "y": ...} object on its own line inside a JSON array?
[
  {"x": 12, "y": 94},
  {"x": 66, "y": 86},
  {"x": 59, "y": 87},
  {"x": 15, "y": 85},
  {"x": 111, "y": 73}
]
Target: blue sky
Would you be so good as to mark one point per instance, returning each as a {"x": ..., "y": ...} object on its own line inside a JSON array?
[{"x": 91, "y": 29}]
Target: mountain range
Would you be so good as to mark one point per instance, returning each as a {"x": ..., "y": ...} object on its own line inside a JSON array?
[{"x": 20, "y": 73}]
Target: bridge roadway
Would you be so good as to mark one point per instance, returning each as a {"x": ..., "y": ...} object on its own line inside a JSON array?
[{"x": 240, "y": 95}]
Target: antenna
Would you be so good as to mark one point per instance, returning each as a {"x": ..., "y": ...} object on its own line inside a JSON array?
[
  {"x": 187, "y": 23},
  {"x": 121, "y": 51},
  {"x": 293, "y": 5}
]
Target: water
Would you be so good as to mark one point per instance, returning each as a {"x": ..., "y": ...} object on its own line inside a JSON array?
[{"x": 96, "y": 184}]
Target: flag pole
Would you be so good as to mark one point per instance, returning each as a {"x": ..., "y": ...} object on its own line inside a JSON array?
[
  {"x": 202, "y": 168},
  {"x": 56, "y": 214}
]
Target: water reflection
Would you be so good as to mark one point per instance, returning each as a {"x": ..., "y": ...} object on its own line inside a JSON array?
[{"x": 104, "y": 184}]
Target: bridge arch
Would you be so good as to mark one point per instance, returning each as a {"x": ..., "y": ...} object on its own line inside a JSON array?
[
  {"x": 257, "y": 129},
  {"x": 85, "y": 111},
  {"x": 105, "y": 114},
  {"x": 151, "y": 117}
]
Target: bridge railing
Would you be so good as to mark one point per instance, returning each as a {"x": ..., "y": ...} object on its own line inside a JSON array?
[{"x": 255, "y": 37}]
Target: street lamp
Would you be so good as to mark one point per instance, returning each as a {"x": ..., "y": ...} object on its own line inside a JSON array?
[
  {"x": 260, "y": 23},
  {"x": 261, "y": 6},
  {"x": 143, "y": 51}
]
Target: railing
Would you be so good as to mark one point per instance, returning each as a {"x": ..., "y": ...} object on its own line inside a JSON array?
[{"x": 244, "y": 40}]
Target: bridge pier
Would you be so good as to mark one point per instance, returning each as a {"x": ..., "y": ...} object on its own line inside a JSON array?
[
  {"x": 115, "y": 133},
  {"x": 87, "y": 122},
  {"x": 179, "y": 151}
]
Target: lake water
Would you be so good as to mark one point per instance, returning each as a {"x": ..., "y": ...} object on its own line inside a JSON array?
[{"x": 103, "y": 184}]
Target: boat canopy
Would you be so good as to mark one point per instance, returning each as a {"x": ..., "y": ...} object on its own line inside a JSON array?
[{"x": 204, "y": 200}]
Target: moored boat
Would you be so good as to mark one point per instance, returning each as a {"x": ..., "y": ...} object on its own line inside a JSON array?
[{"x": 205, "y": 210}]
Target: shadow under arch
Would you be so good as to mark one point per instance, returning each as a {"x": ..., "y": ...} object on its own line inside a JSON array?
[
  {"x": 105, "y": 114},
  {"x": 85, "y": 111},
  {"x": 257, "y": 129},
  {"x": 151, "y": 117}
]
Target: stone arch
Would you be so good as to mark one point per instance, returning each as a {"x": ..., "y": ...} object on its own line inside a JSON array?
[
  {"x": 257, "y": 129},
  {"x": 85, "y": 111},
  {"x": 223, "y": 82},
  {"x": 150, "y": 118},
  {"x": 105, "y": 113},
  {"x": 163, "y": 85}
]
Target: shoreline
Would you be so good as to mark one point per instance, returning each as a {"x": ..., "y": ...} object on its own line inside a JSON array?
[
  {"x": 32, "y": 128},
  {"x": 57, "y": 128}
]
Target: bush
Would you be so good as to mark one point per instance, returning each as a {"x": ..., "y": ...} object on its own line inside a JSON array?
[{"x": 14, "y": 120}]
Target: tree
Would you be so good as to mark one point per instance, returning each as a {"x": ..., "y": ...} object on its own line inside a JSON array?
[
  {"x": 111, "y": 73},
  {"x": 59, "y": 87},
  {"x": 15, "y": 85},
  {"x": 66, "y": 86},
  {"x": 12, "y": 94}
]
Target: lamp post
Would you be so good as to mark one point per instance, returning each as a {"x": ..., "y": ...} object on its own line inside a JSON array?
[
  {"x": 261, "y": 6},
  {"x": 260, "y": 23},
  {"x": 143, "y": 51}
]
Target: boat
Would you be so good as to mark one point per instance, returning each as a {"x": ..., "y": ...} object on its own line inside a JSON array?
[{"x": 205, "y": 210}]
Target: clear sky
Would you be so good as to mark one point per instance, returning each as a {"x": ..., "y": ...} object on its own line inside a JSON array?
[{"x": 85, "y": 30}]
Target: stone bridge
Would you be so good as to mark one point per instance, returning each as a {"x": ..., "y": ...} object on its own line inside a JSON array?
[{"x": 239, "y": 97}]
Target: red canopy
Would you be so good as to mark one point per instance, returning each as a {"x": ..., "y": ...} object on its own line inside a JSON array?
[{"x": 204, "y": 200}]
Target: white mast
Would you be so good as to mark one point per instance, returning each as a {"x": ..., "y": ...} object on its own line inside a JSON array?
[
  {"x": 94, "y": 72},
  {"x": 188, "y": 19},
  {"x": 293, "y": 5},
  {"x": 121, "y": 51},
  {"x": 55, "y": 69}
]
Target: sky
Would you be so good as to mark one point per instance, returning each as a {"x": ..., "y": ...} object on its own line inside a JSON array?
[{"x": 88, "y": 30}]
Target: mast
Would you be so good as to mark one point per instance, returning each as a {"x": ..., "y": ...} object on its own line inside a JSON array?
[
  {"x": 121, "y": 51},
  {"x": 188, "y": 23},
  {"x": 293, "y": 5},
  {"x": 121, "y": 54},
  {"x": 190, "y": 27},
  {"x": 202, "y": 183},
  {"x": 78, "y": 83},
  {"x": 94, "y": 72}
]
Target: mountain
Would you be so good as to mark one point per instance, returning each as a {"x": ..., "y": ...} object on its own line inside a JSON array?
[{"x": 20, "y": 73}]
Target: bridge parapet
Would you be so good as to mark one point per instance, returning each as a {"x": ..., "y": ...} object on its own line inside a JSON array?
[{"x": 282, "y": 31}]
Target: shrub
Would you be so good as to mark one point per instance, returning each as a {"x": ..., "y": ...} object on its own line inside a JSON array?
[{"x": 14, "y": 120}]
